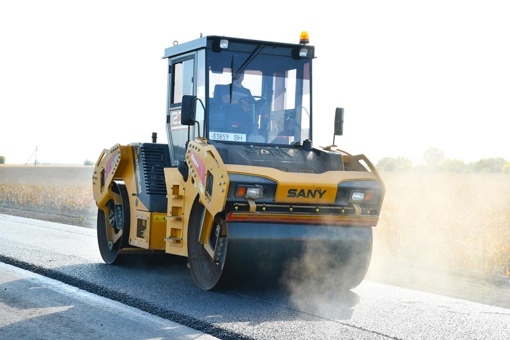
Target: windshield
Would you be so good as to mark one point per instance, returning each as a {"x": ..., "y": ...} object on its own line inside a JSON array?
[{"x": 258, "y": 98}]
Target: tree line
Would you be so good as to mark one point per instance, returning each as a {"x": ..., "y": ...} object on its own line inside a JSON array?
[
  {"x": 86, "y": 162},
  {"x": 435, "y": 160}
]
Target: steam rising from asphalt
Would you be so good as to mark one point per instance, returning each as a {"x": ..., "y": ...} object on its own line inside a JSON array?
[
  {"x": 437, "y": 233},
  {"x": 325, "y": 272}
]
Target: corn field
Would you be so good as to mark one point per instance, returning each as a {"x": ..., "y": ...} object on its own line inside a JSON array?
[
  {"x": 458, "y": 221},
  {"x": 65, "y": 190}
]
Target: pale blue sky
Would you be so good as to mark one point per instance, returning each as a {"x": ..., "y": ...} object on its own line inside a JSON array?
[{"x": 79, "y": 76}]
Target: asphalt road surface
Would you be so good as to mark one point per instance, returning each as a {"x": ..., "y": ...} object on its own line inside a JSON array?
[
  {"x": 162, "y": 287},
  {"x": 36, "y": 307}
]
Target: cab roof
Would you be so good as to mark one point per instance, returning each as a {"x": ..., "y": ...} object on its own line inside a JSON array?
[{"x": 238, "y": 44}]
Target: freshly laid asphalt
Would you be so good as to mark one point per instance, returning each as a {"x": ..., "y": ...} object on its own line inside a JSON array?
[
  {"x": 36, "y": 307},
  {"x": 421, "y": 304}
]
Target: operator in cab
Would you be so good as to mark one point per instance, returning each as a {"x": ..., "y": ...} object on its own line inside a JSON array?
[
  {"x": 241, "y": 95},
  {"x": 237, "y": 106}
]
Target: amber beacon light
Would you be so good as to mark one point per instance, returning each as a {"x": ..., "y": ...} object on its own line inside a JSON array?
[{"x": 303, "y": 38}]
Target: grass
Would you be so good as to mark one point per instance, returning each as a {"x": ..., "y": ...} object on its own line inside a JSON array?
[{"x": 457, "y": 221}]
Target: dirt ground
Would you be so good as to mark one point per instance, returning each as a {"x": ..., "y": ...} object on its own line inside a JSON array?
[{"x": 80, "y": 221}]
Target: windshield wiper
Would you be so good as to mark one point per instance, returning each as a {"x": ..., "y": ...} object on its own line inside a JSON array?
[
  {"x": 256, "y": 52},
  {"x": 240, "y": 70}
]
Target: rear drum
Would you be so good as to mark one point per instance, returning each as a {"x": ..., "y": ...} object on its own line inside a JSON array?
[{"x": 120, "y": 228}]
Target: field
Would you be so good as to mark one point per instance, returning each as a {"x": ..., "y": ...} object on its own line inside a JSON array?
[
  {"x": 452, "y": 221},
  {"x": 56, "y": 193}
]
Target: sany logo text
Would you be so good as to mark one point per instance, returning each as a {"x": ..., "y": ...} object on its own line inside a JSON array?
[{"x": 305, "y": 193}]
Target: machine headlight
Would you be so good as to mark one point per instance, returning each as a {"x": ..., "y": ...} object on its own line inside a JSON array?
[
  {"x": 223, "y": 43},
  {"x": 303, "y": 52},
  {"x": 361, "y": 196},
  {"x": 250, "y": 191},
  {"x": 363, "y": 192}
]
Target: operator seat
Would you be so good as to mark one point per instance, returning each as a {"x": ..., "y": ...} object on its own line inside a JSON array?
[
  {"x": 229, "y": 118},
  {"x": 216, "y": 111}
]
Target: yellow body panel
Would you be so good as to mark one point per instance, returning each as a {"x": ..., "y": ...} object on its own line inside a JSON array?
[
  {"x": 111, "y": 165},
  {"x": 203, "y": 161},
  {"x": 175, "y": 236},
  {"x": 168, "y": 231},
  {"x": 157, "y": 231},
  {"x": 306, "y": 188},
  {"x": 147, "y": 229}
]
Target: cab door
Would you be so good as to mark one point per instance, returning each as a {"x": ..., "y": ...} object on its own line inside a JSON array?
[{"x": 181, "y": 75}]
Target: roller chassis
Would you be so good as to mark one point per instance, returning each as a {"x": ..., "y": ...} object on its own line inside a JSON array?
[
  {"x": 222, "y": 230},
  {"x": 241, "y": 210}
]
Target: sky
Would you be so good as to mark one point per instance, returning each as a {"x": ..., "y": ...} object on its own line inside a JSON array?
[{"x": 77, "y": 77}]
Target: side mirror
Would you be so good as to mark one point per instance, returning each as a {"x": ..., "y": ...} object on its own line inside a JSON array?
[
  {"x": 339, "y": 121},
  {"x": 188, "y": 110}
]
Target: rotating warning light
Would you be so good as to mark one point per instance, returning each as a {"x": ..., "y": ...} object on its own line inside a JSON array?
[{"x": 303, "y": 38}]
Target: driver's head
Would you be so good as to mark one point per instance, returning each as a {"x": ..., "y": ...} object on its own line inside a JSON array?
[{"x": 239, "y": 80}]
